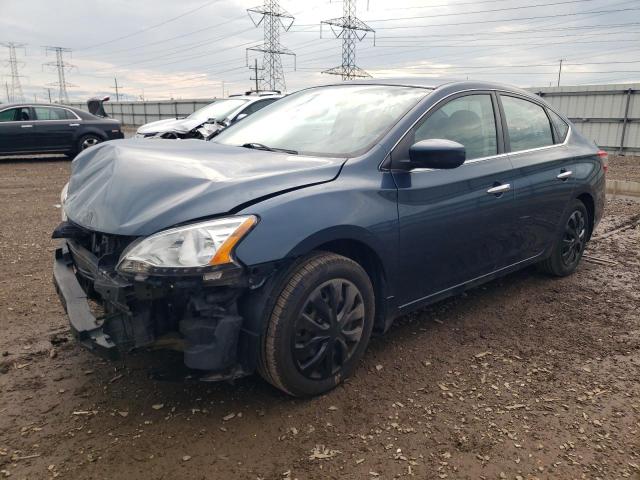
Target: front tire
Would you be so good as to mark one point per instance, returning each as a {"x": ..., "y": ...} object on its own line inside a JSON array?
[
  {"x": 320, "y": 325},
  {"x": 570, "y": 245}
]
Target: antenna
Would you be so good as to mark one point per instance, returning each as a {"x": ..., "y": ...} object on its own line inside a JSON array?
[
  {"x": 14, "y": 92},
  {"x": 272, "y": 16},
  {"x": 351, "y": 29},
  {"x": 61, "y": 66}
]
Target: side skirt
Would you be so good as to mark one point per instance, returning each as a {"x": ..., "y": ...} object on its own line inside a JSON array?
[{"x": 461, "y": 287}]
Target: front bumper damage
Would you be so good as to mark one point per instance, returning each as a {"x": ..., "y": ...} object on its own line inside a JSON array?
[{"x": 111, "y": 315}]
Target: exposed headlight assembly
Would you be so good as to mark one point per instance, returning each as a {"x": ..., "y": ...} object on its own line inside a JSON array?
[
  {"x": 63, "y": 198},
  {"x": 188, "y": 250}
]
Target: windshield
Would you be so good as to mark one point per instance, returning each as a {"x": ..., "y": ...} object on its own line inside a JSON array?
[
  {"x": 218, "y": 110},
  {"x": 340, "y": 121}
]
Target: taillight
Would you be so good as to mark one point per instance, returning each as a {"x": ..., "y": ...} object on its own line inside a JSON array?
[{"x": 604, "y": 159}]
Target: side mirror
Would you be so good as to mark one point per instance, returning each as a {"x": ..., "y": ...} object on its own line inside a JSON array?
[
  {"x": 241, "y": 116},
  {"x": 211, "y": 120},
  {"x": 435, "y": 153}
]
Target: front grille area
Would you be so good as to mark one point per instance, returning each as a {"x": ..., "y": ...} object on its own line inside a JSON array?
[{"x": 102, "y": 245}]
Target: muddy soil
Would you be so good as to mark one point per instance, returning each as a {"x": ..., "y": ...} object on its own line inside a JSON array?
[
  {"x": 525, "y": 377},
  {"x": 624, "y": 168}
]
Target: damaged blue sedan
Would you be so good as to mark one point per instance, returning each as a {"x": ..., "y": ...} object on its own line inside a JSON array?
[{"x": 282, "y": 245}]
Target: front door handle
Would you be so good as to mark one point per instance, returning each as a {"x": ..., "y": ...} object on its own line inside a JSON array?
[
  {"x": 563, "y": 175},
  {"x": 499, "y": 189},
  {"x": 74, "y": 124},
  {"x": 26, "y": 126}
]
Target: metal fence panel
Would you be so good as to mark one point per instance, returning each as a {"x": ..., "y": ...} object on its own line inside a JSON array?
[
  {"x": 139, "y": 113},
  {"x": 607, "y": 114}
]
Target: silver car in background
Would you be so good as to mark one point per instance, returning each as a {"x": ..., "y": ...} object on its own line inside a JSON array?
[{"x": 207, "y": 122}]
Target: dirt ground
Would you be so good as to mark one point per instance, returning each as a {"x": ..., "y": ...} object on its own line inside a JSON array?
[
  {"x": 624, "y": 168},
  {"x": 526, "y": 377}
]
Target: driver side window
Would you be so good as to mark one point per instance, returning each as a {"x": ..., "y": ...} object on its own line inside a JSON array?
[{"x": 468, "y": 120}]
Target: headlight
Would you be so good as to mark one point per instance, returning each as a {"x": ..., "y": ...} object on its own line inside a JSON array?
[
  {"x": 63, "y": 198},
  {"x": 191, "y": 249}
]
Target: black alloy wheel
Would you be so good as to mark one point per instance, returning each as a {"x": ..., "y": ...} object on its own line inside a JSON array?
[
  {"x": 328, "y": 329},
  {"x": 319, "y": 324},
  {"x": 569, "y": 246},
  {"x": 574, "y": 240}
]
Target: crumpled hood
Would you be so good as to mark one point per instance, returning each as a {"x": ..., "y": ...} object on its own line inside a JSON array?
[
  {"x": 180, "y": 125},
  {"x": 136, "y": 187}
]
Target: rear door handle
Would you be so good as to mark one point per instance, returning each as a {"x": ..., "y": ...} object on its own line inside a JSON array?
[
  {"x": 564, "y": 175},
  {"x": 499, "y": 189},
  {"x": 74, "y": 124},
  {"x": 26, "y": 126}
]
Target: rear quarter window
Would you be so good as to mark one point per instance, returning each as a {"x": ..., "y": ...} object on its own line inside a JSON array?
[
  {"x": 559, "y": 125},
  {"x": 527, "y": 124},
  {"x": 53, "y": 113}
]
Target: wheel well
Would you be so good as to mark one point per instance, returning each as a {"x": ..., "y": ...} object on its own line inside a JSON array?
[
  {"x": 95, "y": 133},
  {"x": 370, "y": 261},
  {"x": 590, "y": 206}
]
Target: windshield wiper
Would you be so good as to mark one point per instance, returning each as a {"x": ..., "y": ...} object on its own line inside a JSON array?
[{"x": 260, "y": 146}]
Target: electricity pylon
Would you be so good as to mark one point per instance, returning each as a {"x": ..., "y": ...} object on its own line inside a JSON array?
[
  {"x": 14, "y": 92},
  {"x": 272, "y": 16},
  {"x": 61, "y": 66},
  {"x": 350, "y": 29}
]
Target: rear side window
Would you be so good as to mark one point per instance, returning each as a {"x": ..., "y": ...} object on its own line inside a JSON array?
[
  {"x": 560, "y": 126},
  {"x": 255, "y": 106},
  {"x": 527, "y": 123},
  {"x": 8, "y": 115},
  {"x": 53, "y": 113},
  {"x": 468, "y": 120}
]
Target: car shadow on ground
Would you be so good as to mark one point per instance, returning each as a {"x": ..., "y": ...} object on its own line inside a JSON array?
[
  {"x": 163, "y": 371},
  {"x": 33, "y": 159}
]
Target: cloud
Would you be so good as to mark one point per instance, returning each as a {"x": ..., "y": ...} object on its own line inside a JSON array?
[{"x": 195, "y": 54}]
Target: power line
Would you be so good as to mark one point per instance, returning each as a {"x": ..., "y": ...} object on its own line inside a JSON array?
[
  {"x": 187, "y": 47},
  {"x": 447, "y": 4},
  {"x": 272, "y": 16},
  {"x": 14, "y": 94},
  {"x": 351, "y": 29},
  {"x": 570, "y": 42},
  {"x": 61, "y": 67},
  {"x": 505, "y": 9},
  {"x": 137, "y": 32},
  {"x": 519, "y": 19},
  {"x": 492, "y": 33},
  {"x": 170, "y": 39}
]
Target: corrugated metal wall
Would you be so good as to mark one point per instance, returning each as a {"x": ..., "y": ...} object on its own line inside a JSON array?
[
  {"x": 139, "y": 113},
  {"x": 607, "y": 114}
]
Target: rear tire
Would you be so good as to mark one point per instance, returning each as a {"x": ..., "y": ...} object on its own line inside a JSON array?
[
  {"x": 570, "y": 244},
  {"x": 320, "y": 325},
  {"x": 87, "y": 141}
]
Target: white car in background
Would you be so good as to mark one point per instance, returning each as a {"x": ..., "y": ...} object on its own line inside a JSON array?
[{"x": 207, "y": 122}]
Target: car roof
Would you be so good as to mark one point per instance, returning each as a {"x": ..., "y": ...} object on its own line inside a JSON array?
[
  {"x": 32, "y": 104},
  {"x": 81, "y": 113},
  {"x": 437, "y": 83},
  {"x": 251, "y": 97}
]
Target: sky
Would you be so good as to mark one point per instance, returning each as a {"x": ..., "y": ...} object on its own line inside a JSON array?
[{"x": 163, "y": 49}]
